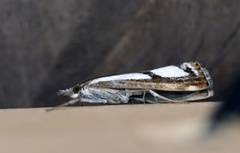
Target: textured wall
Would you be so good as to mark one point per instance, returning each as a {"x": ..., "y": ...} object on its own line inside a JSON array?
[{"x": 50, "y": 45}]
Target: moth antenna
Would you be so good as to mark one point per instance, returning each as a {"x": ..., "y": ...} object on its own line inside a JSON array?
[{"x": 63, "y": 105}]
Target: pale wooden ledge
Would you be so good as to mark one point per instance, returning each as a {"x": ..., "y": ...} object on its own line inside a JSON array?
[{"x": 114, "y": 128}]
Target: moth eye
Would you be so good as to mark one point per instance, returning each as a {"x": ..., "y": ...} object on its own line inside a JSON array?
[{"x": 76, "y": 88}]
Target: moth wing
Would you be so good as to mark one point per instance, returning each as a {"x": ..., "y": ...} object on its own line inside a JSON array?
[
  {"x": 189, "y": 76},
  {"x": 170, "y": 85}
]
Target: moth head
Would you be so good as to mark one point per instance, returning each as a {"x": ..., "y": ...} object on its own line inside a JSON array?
[{"x": 71, "y": 92}]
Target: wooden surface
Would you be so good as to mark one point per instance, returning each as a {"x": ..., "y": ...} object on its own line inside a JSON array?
[{"x": 113, "y": 128}]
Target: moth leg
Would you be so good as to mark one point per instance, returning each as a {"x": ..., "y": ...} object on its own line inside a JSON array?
[
  {"x": 141, "y": 100},
  {"x": 156, "y": 95},
  {"x": 137, "y": 92},
  {"x": 144, "y": 94},
  {"x": 132, "y": 99},
  {"x": 152, "y": 102},
  {"x": 94, "y": 100}
]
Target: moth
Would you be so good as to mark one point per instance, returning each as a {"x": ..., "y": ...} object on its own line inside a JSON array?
[{"x": 188, "y": 82}]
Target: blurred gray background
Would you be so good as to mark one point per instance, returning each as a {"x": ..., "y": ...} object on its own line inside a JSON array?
[{"x": 50, "y": 45}]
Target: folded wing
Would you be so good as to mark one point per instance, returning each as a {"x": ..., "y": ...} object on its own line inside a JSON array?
[{"x": 189, "y": 76}]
